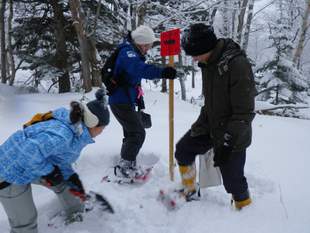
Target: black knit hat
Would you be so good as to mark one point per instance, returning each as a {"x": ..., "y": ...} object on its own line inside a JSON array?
[
  {"x": 99, "y": 108},
  {"x": 198, "y": 39}
]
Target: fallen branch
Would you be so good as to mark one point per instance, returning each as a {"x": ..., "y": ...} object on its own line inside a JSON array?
[{"x": 281, "y": 107}]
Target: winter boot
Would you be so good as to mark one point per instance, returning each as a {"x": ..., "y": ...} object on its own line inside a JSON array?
[
  {"x": 241, "y": 200},
  {"x": 128, "y": 169},
  {"x": 188, "y": 176}
]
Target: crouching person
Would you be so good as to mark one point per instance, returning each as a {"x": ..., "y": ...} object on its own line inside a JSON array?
[{"x": 42, "y": 153}]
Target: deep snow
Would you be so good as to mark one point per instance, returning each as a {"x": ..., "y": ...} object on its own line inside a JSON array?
[{"x": 276, "y": 169}]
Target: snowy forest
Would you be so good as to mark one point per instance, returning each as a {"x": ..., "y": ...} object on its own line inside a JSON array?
[
  {"x": 60, "y": 46},
  {"x": 52, "y": 53}
]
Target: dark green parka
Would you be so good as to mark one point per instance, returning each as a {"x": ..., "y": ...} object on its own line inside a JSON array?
[{"x": 229, "y": 90}]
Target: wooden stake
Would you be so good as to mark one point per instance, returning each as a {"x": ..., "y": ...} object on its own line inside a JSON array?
[{"x": 171, "y": 122}]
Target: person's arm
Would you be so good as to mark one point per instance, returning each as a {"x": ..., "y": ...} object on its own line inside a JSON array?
[
  {"x": 242, "y": 97},
  {"x": 130, "y": 63}
]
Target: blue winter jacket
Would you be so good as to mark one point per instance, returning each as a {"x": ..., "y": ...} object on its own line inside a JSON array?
[
  {"x": 130, "y": 64},
  {"x": 31, "y": 153}
]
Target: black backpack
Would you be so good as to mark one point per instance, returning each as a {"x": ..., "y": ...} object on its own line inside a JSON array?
[{"x": 109, "y": 80}]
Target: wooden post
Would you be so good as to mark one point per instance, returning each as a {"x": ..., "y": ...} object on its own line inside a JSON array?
[
  {"x": 170, "y": 46},
  {"x": 171, "y": 123}
]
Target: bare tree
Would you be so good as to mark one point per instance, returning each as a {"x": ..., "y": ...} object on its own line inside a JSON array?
[
  {"x": 2, "y": 41},
  {"x": 248, "y": 25},
  {"x": 79, "y": 25},
  {"x": 302, "y": 38},
  {"x": 10, "y": 46},
  {"x": 241, "y": 20}
]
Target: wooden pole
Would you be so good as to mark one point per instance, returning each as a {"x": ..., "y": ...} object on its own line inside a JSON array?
[{"x": 171, "y": 123}]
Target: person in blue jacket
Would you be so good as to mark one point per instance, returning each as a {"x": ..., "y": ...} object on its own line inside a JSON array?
[
  {"x": 42, "y": 153},
  {"x": 131, "y": 68}
]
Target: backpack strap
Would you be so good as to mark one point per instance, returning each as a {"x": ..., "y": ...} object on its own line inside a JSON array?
[{"x": 39, "y": 117}]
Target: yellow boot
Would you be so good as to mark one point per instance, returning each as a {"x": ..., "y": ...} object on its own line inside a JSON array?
[
  {"x": 188, "y": 176},
  {"x": 240, "y": 204},
  {"x": 242, "y": 200}
]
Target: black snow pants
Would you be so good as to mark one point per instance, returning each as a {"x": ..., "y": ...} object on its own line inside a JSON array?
[
  {"x": 134, "y": 132},
  {"x": 232, "y": 171}
]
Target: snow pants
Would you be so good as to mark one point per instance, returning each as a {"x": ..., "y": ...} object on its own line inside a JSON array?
[
  {"x": 232, "y": 171},
  {"x": 133, "y": 130},
  {"x": 18, "y": 204}
]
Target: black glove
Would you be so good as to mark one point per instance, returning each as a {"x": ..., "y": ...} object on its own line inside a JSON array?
[
  {"x": 54, "y": 178},
  {"x": 169, "y": 73},
  {"x": 76, "y": 187},
  {"x": 222, "y": 153}
]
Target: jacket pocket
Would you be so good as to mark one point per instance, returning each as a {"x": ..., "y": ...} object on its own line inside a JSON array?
[{"x": 241, "y": 132}]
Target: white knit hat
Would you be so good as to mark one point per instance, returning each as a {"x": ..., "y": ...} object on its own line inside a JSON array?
[{"x": 143, "y": 35}]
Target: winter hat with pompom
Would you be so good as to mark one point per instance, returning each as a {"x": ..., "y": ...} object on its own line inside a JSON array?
[
  {"x": 143, "y": 35},
  {"x": 96, "y": 112}
]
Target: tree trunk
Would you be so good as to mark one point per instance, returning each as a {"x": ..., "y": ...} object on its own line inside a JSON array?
[
  {"x": 2, "y": 41},
  {"x": 182, "y": 81},
  {"x": 94, "y": 57},
  {"x": 164, "y": 88},
  {"x": 78, "y": 23},
  {"x": 233, "y": 21},
  {"x": 95, "y": 63},
  {"x": 248, "y": 26},
  {"x": 142, "y": 13},
  {"x": 226, "y": 21},
  {"x": 61, "y": 56},
  {"x": 241, "y": 20},
  {"x": 212, "y": 16},
  {"x": 302, "y": 38},
  {"x": 133, "y": 14},
  {"x": 10, "y": 46},
  {"x": 193, "y": 75}
]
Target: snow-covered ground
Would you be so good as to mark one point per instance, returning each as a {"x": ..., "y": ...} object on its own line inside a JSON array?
[{"x": 277, "y": 172}]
